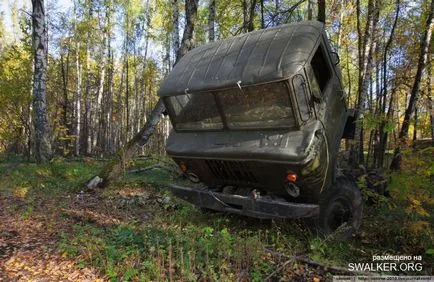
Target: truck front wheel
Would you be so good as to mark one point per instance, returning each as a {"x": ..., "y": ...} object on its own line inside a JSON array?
[{"x": 341, "y": 206}]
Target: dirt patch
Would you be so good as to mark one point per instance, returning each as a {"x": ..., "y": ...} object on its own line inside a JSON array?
[
  {"x": 28, "y": 253},
  {"x": 29, "y": 242}
]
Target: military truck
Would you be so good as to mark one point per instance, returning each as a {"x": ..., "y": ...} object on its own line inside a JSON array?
[{"x": 257, "y": 121}]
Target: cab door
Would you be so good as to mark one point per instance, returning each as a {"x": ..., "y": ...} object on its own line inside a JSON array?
[{"x": 328, "y": 99}]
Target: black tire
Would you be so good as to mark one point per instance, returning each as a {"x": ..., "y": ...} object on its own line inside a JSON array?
[{"x": 341, "y": 204}]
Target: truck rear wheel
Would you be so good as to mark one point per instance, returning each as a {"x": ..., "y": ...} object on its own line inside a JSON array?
[{"x": 341, "y": 206}]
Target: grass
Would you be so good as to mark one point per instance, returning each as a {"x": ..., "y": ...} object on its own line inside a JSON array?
[
  {"x": 154, "y": 236},
  {"x": 152, "y": 253},
  {"x": 57, "y": 177}
]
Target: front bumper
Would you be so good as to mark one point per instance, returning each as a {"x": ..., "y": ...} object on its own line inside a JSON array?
[{"x": 262, "y": 207}]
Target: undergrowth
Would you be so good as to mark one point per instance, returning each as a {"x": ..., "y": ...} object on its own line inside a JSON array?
[{"x": 178, "y": 241}]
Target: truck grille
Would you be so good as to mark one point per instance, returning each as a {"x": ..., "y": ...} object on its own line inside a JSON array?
[{"x": 232, "y": 171}]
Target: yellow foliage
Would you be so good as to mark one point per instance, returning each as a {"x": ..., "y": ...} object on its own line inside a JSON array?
[
  {"x": 418, "y": 227},
  {"x": 415, "y": 205},
  {"x": 21, "y": 191},
  {"x": 414, "y": 201},
  {"x": 44, "y": 172}
]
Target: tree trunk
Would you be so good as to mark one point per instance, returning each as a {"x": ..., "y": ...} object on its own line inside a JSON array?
[
  {"x": 77, "y": 102},
  {"x": 415, "y": 126},
  {"x": 64, "y": 74},
  {"x": 364, "y": 68},
  {"x": 211, "y": 21},
  {"x": 86, "y": 146},
  {"x": 120, "y": 119},
  {"x": 65, "y": 102},
  {"x": 136, "y": 127},
  {"x": 166, "y": 59},
  {"x": 359, "y": 40},
  {"x": 98, "y": 137},
  {"x": 383, "y": 134},
  {"x": 248, "y": 15},
  {"x": 275, "y": 17},
  {"x": 188, "y": 40},
  {"x": 371, "y": 132},
  {"x": 108, "y": 107},
  {"x": 99, "y": 113},
  {"x": 341, "y": 22},
  {"x": 39, "y": 36},
  {"x": 127, "y": 85},
  {"x": 29, "y": 124},
  {"x": 77, "y": 94},
  {"x": 117, "y": 165},
  {"x": 321, "y": 11},
  {"x": 109, "y": 131},
  {"x": 423, "y": 55},
  {"x": 87, "y": 119},
  {"x": 245, "y": 16},
  {"x": 430, "y": 99},
  {"x": 175, "y": 23},
  {"x": 251, "y": 26},
  {"x": 143, "y": 92},
  {"x": 348, "y": 74},
  {"x": 309, "y": 10}
]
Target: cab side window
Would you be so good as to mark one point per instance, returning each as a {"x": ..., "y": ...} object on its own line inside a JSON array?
[{"x": 318, "y": 72}]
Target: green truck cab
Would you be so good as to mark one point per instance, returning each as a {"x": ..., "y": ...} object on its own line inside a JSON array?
[{"x": 258, "y": 119}]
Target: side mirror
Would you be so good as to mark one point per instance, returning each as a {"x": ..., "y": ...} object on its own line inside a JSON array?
[{"x": 335, "y": 58}]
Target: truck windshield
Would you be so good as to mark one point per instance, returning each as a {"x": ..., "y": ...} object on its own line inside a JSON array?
[
  {"x": 194, "y": 112},
  {"x": 260, "y": 106}
]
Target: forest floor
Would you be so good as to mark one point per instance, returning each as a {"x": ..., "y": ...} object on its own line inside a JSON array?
[{"x": 52, "y": 230}]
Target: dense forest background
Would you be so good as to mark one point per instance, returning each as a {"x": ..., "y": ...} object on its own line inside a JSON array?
[{"x": 106, "y": 59}]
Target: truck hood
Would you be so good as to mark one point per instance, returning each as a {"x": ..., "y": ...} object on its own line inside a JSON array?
[{"x": 270, "y": 145}]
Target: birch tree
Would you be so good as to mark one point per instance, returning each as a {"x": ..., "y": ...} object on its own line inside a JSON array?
[
  {"x": 248, "y": 15},
  {"x": 188, "y": 40},
  {"x": 39, "y": 39}
]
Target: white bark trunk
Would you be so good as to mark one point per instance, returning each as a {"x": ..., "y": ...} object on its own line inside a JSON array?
[{"x": 39, "y": 36}]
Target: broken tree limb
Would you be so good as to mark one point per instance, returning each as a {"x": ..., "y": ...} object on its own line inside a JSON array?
[
  {"x": 143, "y": 169},
  {"x": 330, "y": 268},
  {"x": 270, "y": 276},
  {"x": 172, "y": 170},
  {"x": 114, "y": 168},
  {"x": 117, "y": 166}
]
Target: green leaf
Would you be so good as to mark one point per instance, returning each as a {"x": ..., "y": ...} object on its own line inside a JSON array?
[{"x": 429, "y": 252}]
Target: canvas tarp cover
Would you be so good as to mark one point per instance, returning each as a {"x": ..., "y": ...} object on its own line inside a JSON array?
[{"x": 257, "y": 57}]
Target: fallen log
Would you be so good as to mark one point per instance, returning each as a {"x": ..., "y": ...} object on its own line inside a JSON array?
[
  {"x": 175, "y": 171},
  {"x": 306, "y": 260},
  {"x": 114, "y": 168}
]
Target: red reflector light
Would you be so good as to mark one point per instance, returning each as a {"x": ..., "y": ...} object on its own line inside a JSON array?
[
  {"x": 183, "y": 167},
  {"x": 291, "y": 177}
]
